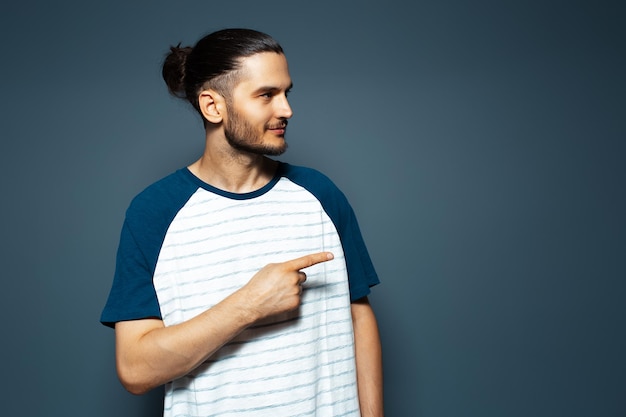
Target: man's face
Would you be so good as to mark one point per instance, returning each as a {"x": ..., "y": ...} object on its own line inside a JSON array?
[{"x": 256, "y": 119}]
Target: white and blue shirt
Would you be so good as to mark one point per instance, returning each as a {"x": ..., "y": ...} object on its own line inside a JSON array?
[{"x": 186, "y": 245}]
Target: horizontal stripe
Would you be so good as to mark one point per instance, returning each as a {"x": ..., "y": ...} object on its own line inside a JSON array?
[{"x": 247, "y": 411}]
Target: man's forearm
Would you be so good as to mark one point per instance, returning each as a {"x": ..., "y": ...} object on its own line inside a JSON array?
[
  {"x": 368, "y": 359},
  {"x": 149, "y": 354}
]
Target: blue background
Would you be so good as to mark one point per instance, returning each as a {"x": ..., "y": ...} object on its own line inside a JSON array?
[{"x": 481, "y": 144}]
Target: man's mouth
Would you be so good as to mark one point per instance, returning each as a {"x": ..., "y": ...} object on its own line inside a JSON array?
[
  {"x": 280, "y": 126},
  {"x": 278, "y": 129}
]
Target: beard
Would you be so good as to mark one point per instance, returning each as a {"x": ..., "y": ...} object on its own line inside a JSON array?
[{"x": 242, "y": 136}]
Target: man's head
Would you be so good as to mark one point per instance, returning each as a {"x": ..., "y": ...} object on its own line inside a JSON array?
[
  {"x": 213, "y": 63},
  {"x": 237, "y": 79}
]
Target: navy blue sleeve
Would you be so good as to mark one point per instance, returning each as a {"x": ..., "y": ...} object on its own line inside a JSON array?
[
  {"x": 132, "y": 295},
  {"x": 148, "y": 217}
]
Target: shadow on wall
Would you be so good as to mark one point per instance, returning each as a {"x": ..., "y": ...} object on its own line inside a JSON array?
[{"x": 152, "y": 403}]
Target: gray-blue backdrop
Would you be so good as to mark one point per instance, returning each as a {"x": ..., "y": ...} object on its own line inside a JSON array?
[{"x": 481, "y": 143}]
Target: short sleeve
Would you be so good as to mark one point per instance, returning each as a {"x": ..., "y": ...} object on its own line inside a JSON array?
[
  {"x": 132, "y": 294},
  {"x": 148, "y": 217}
]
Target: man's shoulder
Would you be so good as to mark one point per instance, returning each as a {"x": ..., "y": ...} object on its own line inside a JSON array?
[
  {"x": 306, "y": 176},
  {"x": 163, "y": 196},
  {"x": 316, "y": 182}
]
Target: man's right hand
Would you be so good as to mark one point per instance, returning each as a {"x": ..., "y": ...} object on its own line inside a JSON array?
[{"x": 277, "y": 288}]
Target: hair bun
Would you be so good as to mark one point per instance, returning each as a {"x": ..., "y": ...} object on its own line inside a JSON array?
[{"x": 174, "y": 69}]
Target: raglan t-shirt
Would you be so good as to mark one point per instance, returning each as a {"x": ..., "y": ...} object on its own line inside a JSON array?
[{"x": 186, "y": 245}]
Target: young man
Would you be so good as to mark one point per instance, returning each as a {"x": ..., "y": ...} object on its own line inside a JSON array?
[{"x": 241, "y": 282}]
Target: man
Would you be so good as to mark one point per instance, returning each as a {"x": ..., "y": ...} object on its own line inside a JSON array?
[{"x": 241, "y": 282}]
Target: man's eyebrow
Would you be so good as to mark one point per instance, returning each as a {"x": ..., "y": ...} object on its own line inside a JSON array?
[{"x": 271, "y": 89}]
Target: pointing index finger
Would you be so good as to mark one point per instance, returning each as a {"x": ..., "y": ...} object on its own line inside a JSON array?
[{"x": 308, "y": 260}]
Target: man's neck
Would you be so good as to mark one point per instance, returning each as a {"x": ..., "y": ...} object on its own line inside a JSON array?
[{"x": 231, "y": 170}]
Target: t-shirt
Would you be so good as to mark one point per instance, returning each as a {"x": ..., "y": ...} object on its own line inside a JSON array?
[{"x": 186, "y": 245}]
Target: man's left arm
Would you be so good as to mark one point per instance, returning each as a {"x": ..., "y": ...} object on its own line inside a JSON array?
[{"x": 368, "y": 359}]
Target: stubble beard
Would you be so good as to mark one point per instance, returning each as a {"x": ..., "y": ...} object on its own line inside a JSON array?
[{"x": 242, "y": 136}]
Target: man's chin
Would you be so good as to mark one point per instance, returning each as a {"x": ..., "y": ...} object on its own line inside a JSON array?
[
  {"x": 278, "y": 147},
  {"x": 268, "y": 150},
  {"x": 276, "y": 151}
]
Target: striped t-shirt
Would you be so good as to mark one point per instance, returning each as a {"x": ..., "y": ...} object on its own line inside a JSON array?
[{"x": 186, "y": 245}]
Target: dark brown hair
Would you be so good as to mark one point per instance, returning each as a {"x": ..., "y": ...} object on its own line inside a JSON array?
[{"x": 213, "y": 62}]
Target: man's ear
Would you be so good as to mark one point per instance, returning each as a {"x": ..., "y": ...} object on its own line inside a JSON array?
[{"x": 212, "y": 106}]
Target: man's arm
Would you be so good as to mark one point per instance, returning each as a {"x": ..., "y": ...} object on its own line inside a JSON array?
[
  {"x": 149, "y": 354},
  {"x": 369, "y": 366}
]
